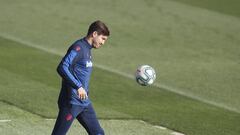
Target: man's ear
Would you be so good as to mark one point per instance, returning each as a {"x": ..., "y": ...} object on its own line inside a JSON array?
[{"x": 95, "y": 33}]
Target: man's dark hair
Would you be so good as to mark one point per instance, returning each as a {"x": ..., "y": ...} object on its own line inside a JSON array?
[{"x": 99, "y": 27}]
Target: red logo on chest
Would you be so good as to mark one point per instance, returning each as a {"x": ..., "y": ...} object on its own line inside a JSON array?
[{"x": 77, "y": 48}]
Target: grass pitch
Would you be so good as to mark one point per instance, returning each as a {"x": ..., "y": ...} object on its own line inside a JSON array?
[
  {"x": 24, "y": 123},
  {"x": 228, "y": 7},
  {"x": 194, "y": 49},
  {"x": 36, "y": 88}
]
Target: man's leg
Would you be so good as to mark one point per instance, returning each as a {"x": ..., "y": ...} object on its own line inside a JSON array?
[
  {"x": 65, "y": 118},
  {"x": 89, "y": 121}
]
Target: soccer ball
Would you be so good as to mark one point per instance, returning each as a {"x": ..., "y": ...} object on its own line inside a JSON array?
[{"x": 145, "y": 75}]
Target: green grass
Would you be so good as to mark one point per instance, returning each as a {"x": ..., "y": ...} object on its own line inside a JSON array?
[
  {"x": 194, "y": 50},
  {"x": 230, "y": 7},
  {"x": 25, "y": 123},
  {"x": 193, "y": 45},
  {"x": 29, "y": 81}
]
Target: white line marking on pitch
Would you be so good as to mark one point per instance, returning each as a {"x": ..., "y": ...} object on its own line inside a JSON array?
[
  {"x": 175, "y": 90},
  {"x": 160, "y": 127},
  {"x": 156, "y": 126},
  {"x": 2, "y": 121},
  {"x": 176, "y": 133},
  {"x": 50, "y": 119}
]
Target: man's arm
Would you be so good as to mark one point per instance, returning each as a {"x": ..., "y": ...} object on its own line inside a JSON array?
[{"x": 63, "y": 70}]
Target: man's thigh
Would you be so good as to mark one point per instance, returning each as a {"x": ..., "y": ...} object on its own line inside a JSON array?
[
  {"x": 65, "y": 118},
  {"x": 89, "y": 121}
]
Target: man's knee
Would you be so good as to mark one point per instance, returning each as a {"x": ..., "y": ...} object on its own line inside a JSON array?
[{"x": 100, "y": 132}]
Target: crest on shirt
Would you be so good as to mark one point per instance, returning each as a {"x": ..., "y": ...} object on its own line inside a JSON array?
[{"x": 77, "y": 48}]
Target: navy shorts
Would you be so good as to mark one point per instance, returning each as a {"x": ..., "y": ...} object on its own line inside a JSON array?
[{"x": 86, "y": 116}]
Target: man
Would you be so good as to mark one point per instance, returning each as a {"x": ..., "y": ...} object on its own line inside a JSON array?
[{"x": 75, "y": 69}]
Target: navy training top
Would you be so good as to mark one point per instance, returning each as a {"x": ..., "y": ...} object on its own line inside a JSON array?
[{"x": 75, "y": 70}]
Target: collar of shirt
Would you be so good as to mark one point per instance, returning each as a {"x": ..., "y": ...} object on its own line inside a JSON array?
[{"x": 87, "y": 44}]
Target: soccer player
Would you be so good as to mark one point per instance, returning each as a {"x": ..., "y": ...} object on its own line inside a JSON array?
[{"x": 75, "y": 70}]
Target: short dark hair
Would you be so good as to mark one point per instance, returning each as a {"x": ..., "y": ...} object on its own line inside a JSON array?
[{"x": 100, "y": 27}]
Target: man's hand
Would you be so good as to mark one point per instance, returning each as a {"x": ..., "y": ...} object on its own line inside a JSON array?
[{"x": 82, "y": 94}]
